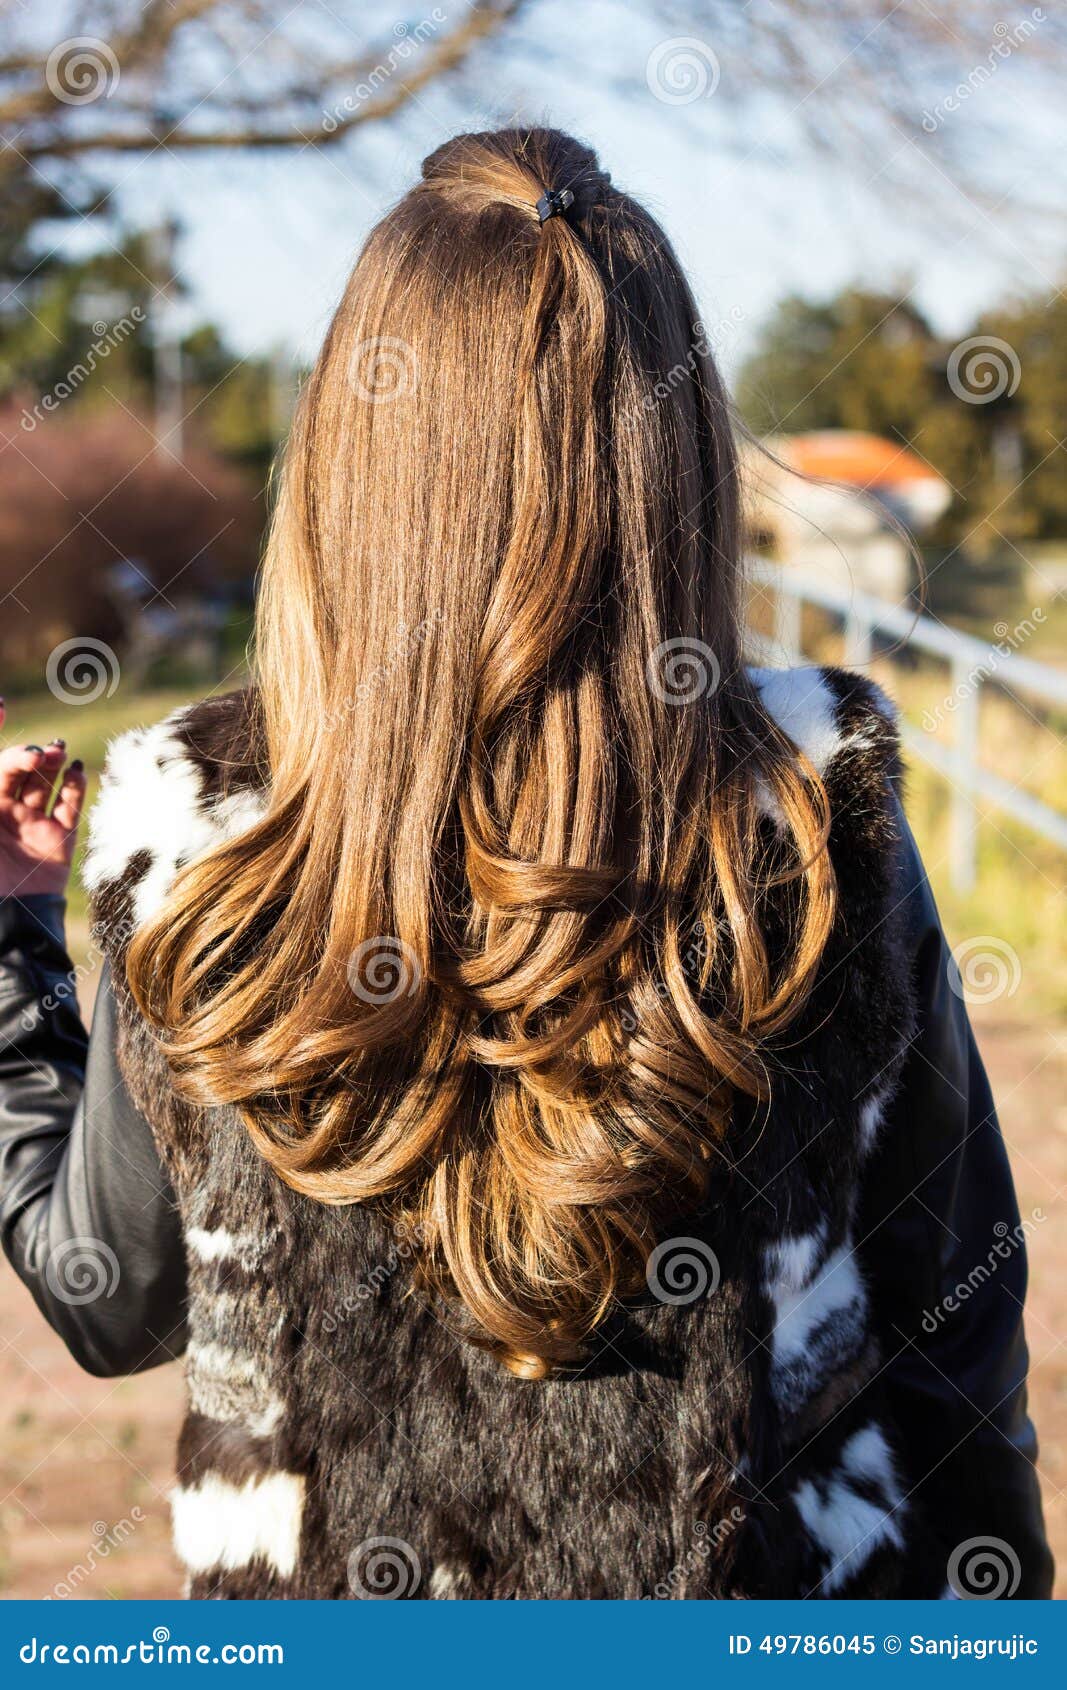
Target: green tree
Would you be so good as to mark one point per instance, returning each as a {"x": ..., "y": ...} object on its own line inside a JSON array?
[
  {"x": 861, "y": 361},
  {"x": 83, "y": 334}
]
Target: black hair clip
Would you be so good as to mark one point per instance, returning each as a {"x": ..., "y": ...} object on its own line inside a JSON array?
[{"x": 553, "y": 203}]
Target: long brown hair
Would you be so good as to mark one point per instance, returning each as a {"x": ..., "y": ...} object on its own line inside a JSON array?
[{"x": 494, "y": 956}]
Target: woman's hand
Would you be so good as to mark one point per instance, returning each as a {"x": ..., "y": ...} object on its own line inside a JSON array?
[{"x": 37, "y": 835}]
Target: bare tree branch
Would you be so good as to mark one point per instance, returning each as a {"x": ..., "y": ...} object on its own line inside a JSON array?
[
  {"x": 876, "y": 83},
  {"x": 312, "y": 98}
]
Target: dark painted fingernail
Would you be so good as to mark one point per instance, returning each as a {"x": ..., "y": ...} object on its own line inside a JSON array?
[
  {"x": 39, "y": 748},
  {"x": 77, "y": 766}
]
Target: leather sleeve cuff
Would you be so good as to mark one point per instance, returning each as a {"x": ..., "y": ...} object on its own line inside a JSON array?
[{"x": 30, "y": 923}]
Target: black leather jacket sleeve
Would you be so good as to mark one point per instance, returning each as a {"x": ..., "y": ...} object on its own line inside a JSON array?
[
  {"x": 87, "y": 1213},
  {"x": 945, "y": 1256}
]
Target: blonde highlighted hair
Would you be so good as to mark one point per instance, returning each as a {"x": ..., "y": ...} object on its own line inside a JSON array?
[{"x": 516, "y": 765}]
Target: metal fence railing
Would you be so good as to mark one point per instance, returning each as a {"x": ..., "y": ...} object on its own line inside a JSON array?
[{"x": 972, "y": 666}]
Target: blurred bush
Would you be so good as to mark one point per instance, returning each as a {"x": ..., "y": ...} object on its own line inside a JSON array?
[{"x": 83, "y": 494}]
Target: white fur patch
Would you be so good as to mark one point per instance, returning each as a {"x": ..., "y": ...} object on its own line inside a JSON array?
[
  {"x": 850, "y": 1527},
  {"x": 801, "y": 702},
  {"x": 151, "y": 800},
  {"x": 800, "y": 1309},
  {"x": 444, "y": 1581},
  {"x": 871, "y": 1117},
  {"x": 220, "y": 1245},
  {"x": 228, "y": 1526},
  {"x": 790, "y": 1262},
  {"x": 237, "y": 813},
  {"x": 866, "y": 1456},
  {"x": 805, "y": 707}
]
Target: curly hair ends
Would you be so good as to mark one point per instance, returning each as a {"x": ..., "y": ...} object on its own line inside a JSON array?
[{"x": 495, "y": 957}]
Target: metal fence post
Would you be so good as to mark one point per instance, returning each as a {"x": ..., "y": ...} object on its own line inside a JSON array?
[
  {"x": 972, "y": 663},
  {"x": 787, "y": 607},
  {"x": 858, "y": 639},
  {"x": 964, "y": 817}
]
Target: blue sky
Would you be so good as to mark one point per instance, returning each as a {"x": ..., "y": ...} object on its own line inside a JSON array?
[{"x": 269, "y": 238}]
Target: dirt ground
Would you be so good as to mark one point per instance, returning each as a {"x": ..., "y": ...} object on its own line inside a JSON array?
[{"x": 85, "y": 1463}]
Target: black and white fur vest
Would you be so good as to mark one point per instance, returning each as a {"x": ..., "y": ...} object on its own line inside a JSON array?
[{"x": 726, "y": 1437}]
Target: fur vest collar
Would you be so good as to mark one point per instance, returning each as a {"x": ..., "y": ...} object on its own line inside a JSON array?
[{"x": 727, "y": 1437}]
